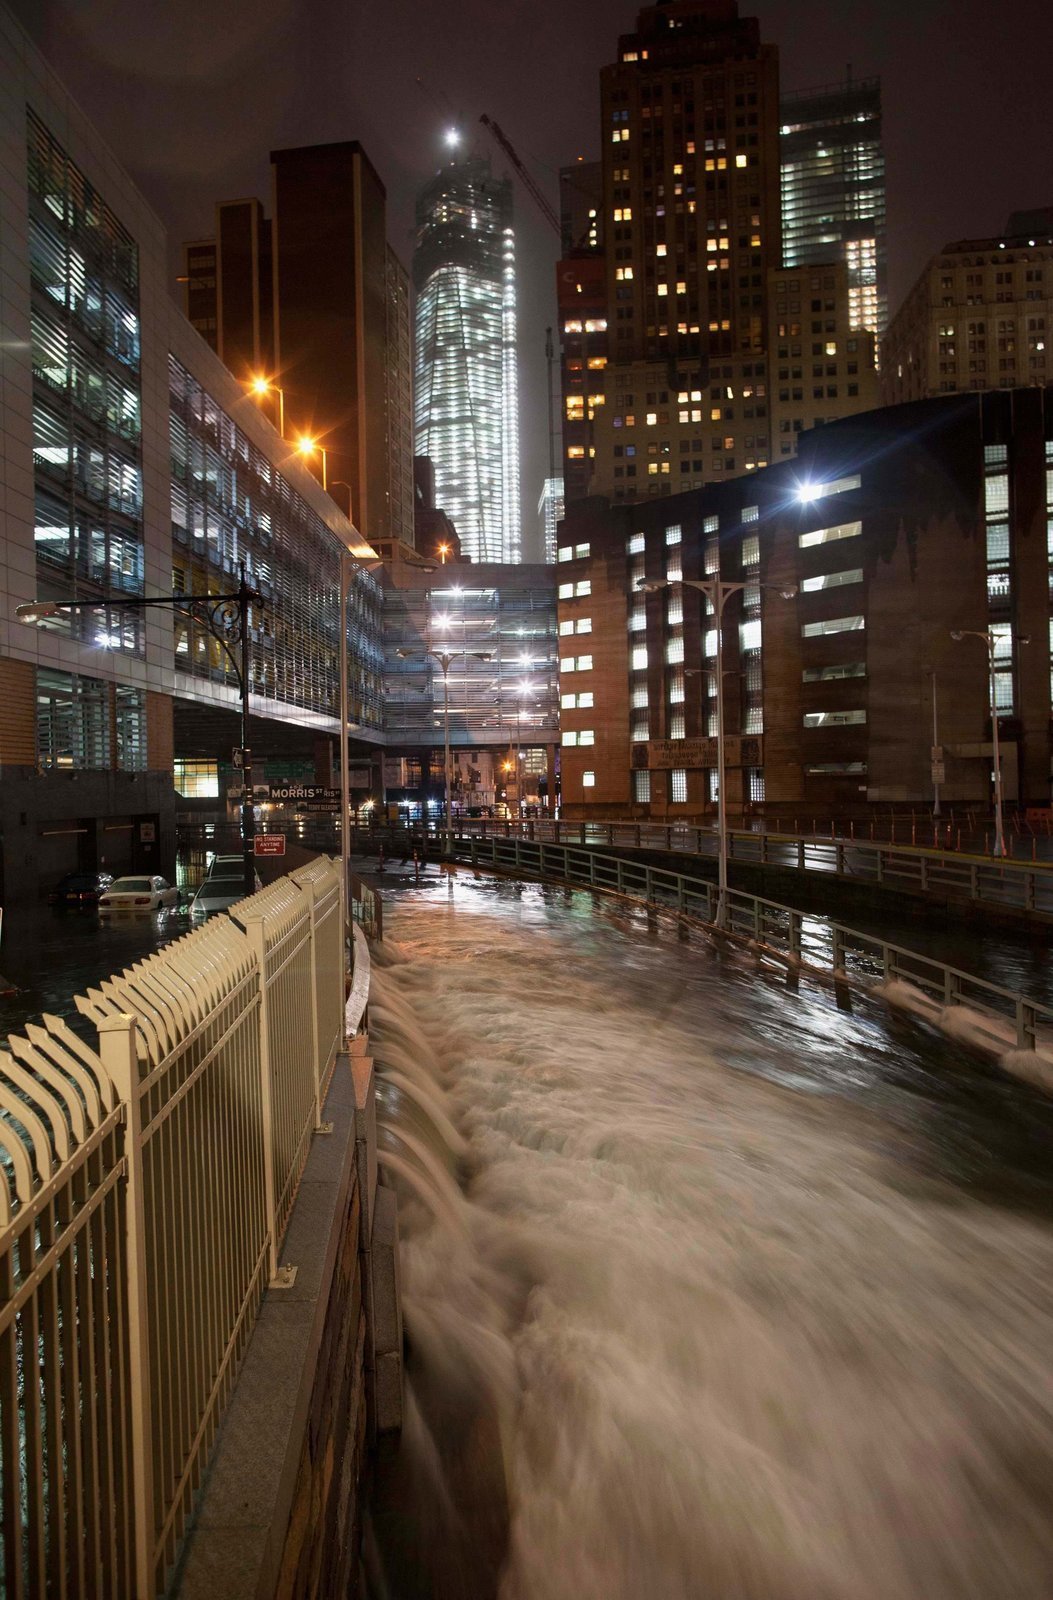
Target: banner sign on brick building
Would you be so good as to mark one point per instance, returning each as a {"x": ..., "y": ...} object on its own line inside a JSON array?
[{"x": 668, "y": 755}]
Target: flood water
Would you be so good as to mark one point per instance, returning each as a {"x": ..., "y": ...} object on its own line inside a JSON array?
[{"x": 711, "y": 1290}]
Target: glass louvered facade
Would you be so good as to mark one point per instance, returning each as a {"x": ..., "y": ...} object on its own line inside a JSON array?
[
  {"x": 466, "y": 404},
  {"x": 231, "y": 506}
]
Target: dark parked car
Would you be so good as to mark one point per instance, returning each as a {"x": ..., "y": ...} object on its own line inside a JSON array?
[{"x": 80, "y": 889}]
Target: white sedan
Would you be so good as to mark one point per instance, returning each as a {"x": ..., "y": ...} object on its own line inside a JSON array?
[{"x": 138, "y": 894}]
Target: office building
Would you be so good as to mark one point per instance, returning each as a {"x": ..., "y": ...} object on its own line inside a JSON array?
[
  {"x": 550, "y": 509},
  {"x": 466, "y": 382},
  {"x": 135, "y": 465},
  {"x": 822, "y": 367},
  {"x": 228, "y": 287},
  {"x": 503, "y": 711},
  {"x": 316, "y": 301},
  {"x": 398, "y": 401},
  {"x": 833, "y": 191},
  {"x": 692, "y": 220},
  {"x": 979, "y": 317},
  {"x": 858, "y": 560}
]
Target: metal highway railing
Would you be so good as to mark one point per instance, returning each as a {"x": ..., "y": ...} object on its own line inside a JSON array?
[
  {"x": 985, "y": 880},
  {"x": 798, "y": 938}
]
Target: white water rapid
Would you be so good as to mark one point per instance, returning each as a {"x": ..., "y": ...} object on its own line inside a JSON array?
[{"x": 711, "y": 1291}]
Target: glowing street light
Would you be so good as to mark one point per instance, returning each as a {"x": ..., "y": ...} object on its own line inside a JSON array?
[
  {"x": 444, "y": 550},
  {"x": 260, "y": 386},
  {"x": 307, "y": 447}
]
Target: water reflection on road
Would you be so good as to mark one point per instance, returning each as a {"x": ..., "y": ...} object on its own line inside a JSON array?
[{"x": 51, "y": 954}]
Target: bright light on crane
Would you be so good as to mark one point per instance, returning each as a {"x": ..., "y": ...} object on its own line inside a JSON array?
[{"x": 452, "y": 137}]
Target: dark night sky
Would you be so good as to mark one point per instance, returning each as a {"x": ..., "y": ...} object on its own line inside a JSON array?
[{"x": 192, "y": 96}]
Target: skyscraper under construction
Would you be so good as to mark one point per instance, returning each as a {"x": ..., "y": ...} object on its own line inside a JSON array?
[{"x": 466, "y": 380}]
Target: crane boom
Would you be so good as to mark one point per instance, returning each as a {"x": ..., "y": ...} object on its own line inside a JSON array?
[{"x": 542, "y": 204}]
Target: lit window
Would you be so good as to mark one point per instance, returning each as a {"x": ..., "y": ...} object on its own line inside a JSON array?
[
  {"x": 639, "y": 658},
  {"x": 566, "y": 552},
  {"x": 832, "y": 580},
  {"x": 566, "y": 627},
  {"x": 834, "y": 719},
  {"x": 584, "y": 587},
  {"x": 678, "y": 786},
  {"x": 587, "y": 736},
  {"x": 582, "y": 552},
  {"x": 642, "y": 787},
  {"x": 584, "y": 663},
  {"x": 740, "y": 161},
  {"x": 844, "y": 530},
  {"x": 813, "y": 630},
  {"x": 659, "y": 249},
  {"x": 583, "y": 625},
  {"x": 588, "y": 780}
]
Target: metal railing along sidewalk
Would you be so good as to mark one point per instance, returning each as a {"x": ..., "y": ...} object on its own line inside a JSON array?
[
  {"x": 984, "y": 880},
  {"x": 145, "y": 1184},
  {"x": 798, "y": 938}
]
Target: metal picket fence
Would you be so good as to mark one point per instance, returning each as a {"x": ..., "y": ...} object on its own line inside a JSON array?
[{"x": 145, "y": 1186}]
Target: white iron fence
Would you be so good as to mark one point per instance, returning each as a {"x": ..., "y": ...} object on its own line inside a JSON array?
[{"x": 144, "y": 1191}]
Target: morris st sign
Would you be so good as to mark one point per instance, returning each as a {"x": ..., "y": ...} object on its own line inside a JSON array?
[{"x": 667, "y": 755}]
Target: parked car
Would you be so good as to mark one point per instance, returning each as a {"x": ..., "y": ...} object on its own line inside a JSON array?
[
  {"x": 80, "y": 888},
  {"x": 226, "y": 866},
  {"x": 139, "y": 894},
  {"x": 219, "y": 893}
]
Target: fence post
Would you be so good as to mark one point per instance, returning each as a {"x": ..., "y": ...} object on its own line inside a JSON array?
[
  {"x": 618, "y": 878},
  {"x": 256, "y": 934},
  {"x": 308, "y": 890},
  {"x": 837, "y": 948},
  {"x": 117, "y": 1050},
  {"x": 793, "y": 934}
]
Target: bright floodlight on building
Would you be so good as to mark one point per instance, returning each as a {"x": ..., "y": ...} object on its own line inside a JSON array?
[
  {"x": 807, "y": 492},
  {"x": 452, "y": 137}
]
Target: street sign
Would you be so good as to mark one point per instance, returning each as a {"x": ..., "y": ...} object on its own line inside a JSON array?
[
  {"x": 269, "y": 844},
  {"x": 237, "y": 759},
  {"x": 290, "y": 793},
  {"x": 936, "y": 754},
  {"x": 939, "y": 772}
]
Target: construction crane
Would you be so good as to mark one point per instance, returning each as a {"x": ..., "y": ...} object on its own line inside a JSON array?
[{"x": 542, "y": 204}]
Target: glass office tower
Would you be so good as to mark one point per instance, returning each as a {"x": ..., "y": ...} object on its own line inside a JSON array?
[
  {"x": 466, "y": 403},
  {"x": 833, "y": 190}
]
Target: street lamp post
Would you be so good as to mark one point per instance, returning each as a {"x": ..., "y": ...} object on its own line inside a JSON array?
[
  {"x": 718, "y": 592},
  {"x": 342, "y": 483},
  {"x": 227, "y": 619},
  {"x": 261, "y": 386},
  {"x": 306, "y": 447},
  {"x": 445, "y": 658},
  {"x": 990, "y": 640}
]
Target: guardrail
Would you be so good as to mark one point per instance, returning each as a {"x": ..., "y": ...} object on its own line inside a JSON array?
[
  {"x": 145, "y": 1185},
  {"x": 797, "y": 938},
  {"x": 1009, "y": 885}
]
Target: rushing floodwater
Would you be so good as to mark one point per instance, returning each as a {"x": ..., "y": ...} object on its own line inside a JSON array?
[{"x": 711, "y": 1291}]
